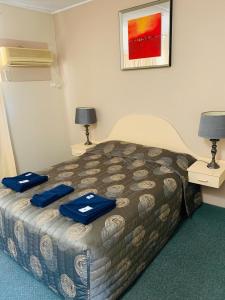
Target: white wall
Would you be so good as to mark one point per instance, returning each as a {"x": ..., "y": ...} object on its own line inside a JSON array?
[
  {"x": 89, "y": 52},
  {"x": 36, "y": 111}
]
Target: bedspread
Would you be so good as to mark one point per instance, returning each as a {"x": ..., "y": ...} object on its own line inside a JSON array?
[{"x": 102, "y": 259}]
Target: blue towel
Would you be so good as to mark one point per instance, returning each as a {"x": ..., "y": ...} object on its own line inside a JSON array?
[
  {"x": 24, "y": 182},
  {"x": 87, "y": 208},
  {"x": 50, "y": 196}
]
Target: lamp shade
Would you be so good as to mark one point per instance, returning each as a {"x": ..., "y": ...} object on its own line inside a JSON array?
[
  {"x": 85, "y": 116},
  {"x": 212, "y": 125}
]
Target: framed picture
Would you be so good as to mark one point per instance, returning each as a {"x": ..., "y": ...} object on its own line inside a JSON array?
[{"x": 145, "y": 35}]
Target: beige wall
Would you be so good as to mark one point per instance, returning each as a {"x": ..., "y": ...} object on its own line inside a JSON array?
[
  {"x": 89, "y": 52},
  {"x": 36, "y": 111}
]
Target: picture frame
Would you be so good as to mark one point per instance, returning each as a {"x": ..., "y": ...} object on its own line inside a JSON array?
[{"x": 146, "y": 35}]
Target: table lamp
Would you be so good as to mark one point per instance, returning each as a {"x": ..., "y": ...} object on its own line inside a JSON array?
[
  {"x": 212, "y": 127},
  {"x": 85, "y": 116}
]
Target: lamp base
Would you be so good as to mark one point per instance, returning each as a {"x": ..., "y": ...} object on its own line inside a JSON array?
[
  {"x": 88, "y": 142},
  {"x": 213, "y": 164}
]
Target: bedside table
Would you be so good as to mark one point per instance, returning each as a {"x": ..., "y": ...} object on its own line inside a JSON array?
[
  {"x": 199, "y": 173},
  {"x": 79, "y": 149}
]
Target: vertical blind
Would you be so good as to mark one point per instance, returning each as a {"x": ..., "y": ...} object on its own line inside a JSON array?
[{"x": 7, "y": 160}]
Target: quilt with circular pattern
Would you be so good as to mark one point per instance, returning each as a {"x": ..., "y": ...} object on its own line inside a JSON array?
[{"x": 102, "y": 259}]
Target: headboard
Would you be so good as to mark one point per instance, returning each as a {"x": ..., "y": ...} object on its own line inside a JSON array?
[{"x": 150, "y": 131}]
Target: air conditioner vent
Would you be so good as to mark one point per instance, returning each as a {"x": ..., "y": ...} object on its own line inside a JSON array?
[{"x": 25, "y": 57}]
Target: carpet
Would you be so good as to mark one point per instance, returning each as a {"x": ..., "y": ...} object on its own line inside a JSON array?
[{"x": 190, "y": 267}]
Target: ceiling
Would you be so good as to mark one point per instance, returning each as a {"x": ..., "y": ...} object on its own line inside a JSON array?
[{"x": 49, "y": 6}]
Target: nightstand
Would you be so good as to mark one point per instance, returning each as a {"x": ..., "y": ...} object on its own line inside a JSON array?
[
  {"x": 79, "y": 149},
  {"x": 199, "y": 173}
]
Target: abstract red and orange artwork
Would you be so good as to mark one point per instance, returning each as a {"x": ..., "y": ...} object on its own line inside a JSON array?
[{"x": 145, "y": 35}]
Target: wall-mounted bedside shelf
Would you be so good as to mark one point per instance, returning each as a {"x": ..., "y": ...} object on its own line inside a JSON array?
[
  {"x": 79, "y": 149},
  {"x": 199, "y": 173}
]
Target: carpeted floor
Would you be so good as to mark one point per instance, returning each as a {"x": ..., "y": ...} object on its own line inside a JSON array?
[{"x": 190, "y": 267}]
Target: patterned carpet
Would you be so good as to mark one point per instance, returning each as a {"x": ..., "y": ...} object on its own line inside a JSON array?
[{"x": 190, "y": 267}]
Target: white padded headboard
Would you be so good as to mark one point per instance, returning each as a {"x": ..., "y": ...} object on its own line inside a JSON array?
[{"x": 150, "y": 131}]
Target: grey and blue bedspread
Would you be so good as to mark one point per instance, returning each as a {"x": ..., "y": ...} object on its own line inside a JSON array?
[{"x": 102, "y": 259}]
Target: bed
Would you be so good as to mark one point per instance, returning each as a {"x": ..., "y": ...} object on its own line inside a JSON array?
[{"x": 135, "y": 166}]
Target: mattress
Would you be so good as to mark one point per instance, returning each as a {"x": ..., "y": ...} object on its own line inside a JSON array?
[{"x": 102, "y": 259}]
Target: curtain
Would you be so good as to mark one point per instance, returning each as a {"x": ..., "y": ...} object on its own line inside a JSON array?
[{"x": 7, "y": 161}]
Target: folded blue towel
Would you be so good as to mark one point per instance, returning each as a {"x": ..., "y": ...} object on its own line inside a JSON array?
[
  {"x": 87, "y": 208},
  {"x": 48, "y": 197},
  {"x": 24, "y": 182}
]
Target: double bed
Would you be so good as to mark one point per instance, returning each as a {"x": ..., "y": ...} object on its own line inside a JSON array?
[{"x": 102, "y": 259}]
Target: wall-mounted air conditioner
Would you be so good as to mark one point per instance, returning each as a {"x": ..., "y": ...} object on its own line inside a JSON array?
[{"x": 25, "y": 57}]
